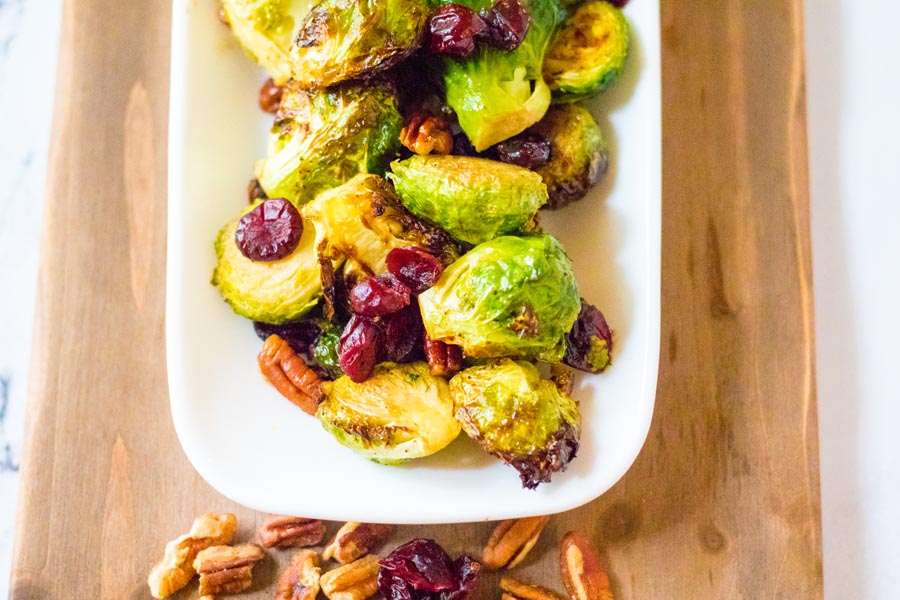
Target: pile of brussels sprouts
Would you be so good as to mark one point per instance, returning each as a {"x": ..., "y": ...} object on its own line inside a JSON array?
[{"x": 500, "y": 302}]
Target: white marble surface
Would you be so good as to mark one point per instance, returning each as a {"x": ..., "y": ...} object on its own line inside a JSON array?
[
  {"x": 29, "y": 41},
  {"x": 854, "y": 123}
]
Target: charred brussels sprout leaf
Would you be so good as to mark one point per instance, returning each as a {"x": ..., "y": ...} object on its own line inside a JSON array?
[
  {"x": 322, "y": 140},
  {"x": 360, "y": 222},
  {"x": 497, "y": 94},
  {"x": 511, "y": 296},
  {"x": 472, "y": 199},
  {"x": 265, "y": 29},
  {"x": 527, "y": 422},
  {"x": 355, "y": 39},
  {"x": 325, "y": 349},
  {"x": 579, "y": 154},
  {"x": 588, "y": 53},
  {"x": 400, "y": 412},
  {"x": 270, "y": 292}
]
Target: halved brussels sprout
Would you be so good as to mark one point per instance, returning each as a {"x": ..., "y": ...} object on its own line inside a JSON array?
[
  {"x": 497, "y": 94},
  {"x": 361, "y": 221},
  {"x": 322, "y": 140},
  {"x": 355, "y": 39},
  {"x": 527, "y": 422},
  {"x": 588, "y": 53},
  {"x": 400, "y": 412},
  {"x": 579, "y": 154},
  {"x": 472, "y": 199},
  {"x": 270, "y": 292},
  {"x": 511, "y": 296},
  {"x": 266, "y": 29}
]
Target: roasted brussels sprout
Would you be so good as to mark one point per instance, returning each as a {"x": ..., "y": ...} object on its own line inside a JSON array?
[
  {"x": 497, "y": 94},
  {"x": 472, "y": 199},
  {"x": 511, "y": 296},
  {"x": 579, "y": 154},
  {"x": 270, "y": 292},
  {"x": 321, "y": 140},
  {"x": 265, "y": 29},
  {"x": 400, "y": 412},
  {"x": 527, "y": 422},
  {"x": 588, "y": 53},
  {"x": 355, "y": 39},
  {"x": 325, "y": 349},
  {"x": 360, "y": 222}
]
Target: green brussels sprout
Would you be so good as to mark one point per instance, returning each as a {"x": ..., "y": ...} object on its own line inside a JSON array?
[
  {"x": 515, "y": 415},
  {"x": 472, "y": 199},
  {"x": 266, "y": 29},
  {"x": 321, "y": 140},
  {"x": 355, "y": 39},
  {"x": 269, "y": 292},
  {"x": 359, "y": 223},
  {"x": 579, "y": 154},
  {"x": 400, "y": 412},
  {"x": 325, "y": 349},
  {"x": 497, "y": 94},
  {"x": 588, "y": 53},
  {"x": 511, "y": 296}
]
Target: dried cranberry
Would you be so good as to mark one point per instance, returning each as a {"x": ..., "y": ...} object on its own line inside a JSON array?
[
  {"x": 462, "y": 146},
  {"x": 414, "y": 267},
  {"x": 618, "y": 3},
  {"x": 403, "y": 332},
  {"x": 527, "y": 150},
  {"x": 270, "y": 96},
  {"x": 589, "y": 343},
  {"x": 359, "y": 347},
  {"x": 453, "y": 29},
  {"x": 422, "y": 570},
  {"x": 378, "y": 296},
  {"x": 507, "y": 24},
  {"x": 270, "y": 231}
]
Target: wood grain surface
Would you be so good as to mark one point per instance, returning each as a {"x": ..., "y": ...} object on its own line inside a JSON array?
[{"x": 723, "y": 501}]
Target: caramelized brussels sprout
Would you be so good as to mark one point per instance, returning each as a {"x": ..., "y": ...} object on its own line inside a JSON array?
[
  {"x": 270, "y": 292},
  {"x": 472, "y": 199},
  {"x": 579, "y": 154},
  {"x": 588, "y": 53},
  {"x": 360, "y": 222},
  {"x": 515, "y": 415},
  {"x": 511, "y": 296},
  {"x": 400, "y": 412},
  {"x": 321, "y": 140},
  {"x": 266, "y": 29},
  {"x": 497, "y": 94},
  {"x": 355, "y": 39}
]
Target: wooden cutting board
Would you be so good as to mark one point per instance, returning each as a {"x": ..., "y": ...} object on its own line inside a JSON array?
[{"x": 723, "y": 501}]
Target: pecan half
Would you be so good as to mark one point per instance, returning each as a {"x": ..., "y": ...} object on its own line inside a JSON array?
[
  {"x": 511, "y": 541},
  {"x": 300, "y": 581},
  {"x": 512, "y": 589},
  {"x": 356, "y": 539},
  {"x": 287, "y": 372},
  {"x": 177, "y": 565},
  {"x": 444, "y": 360},
  {"x": 281, "y": 531},
  {"x": 227, "y": 569},
  {"x": 582, "y": 572},
  {"x": 355, "y": 581},
  {"x": 427, "y": 134}
]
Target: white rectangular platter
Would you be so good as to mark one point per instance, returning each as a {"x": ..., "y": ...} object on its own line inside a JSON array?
[{"x": 259, "y": 449}]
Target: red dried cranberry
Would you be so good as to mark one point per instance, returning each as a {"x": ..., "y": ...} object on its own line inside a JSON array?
[
  {"x": 359, "y": 347},
  {"x": 589, "y": 343},
  {"x": 378, "y": 296},
  {"x": 422, "y": 570},
  {"x": 618, "y": 3},
  {"x": 507, "y": 24},
  {"x": 527, "y": 150},
  {"x": 403, "y": 333},
  {"x": 453, "y": 29},
  {"x": 270, "y": 231},
  {"x": 414, "y": 267}
]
